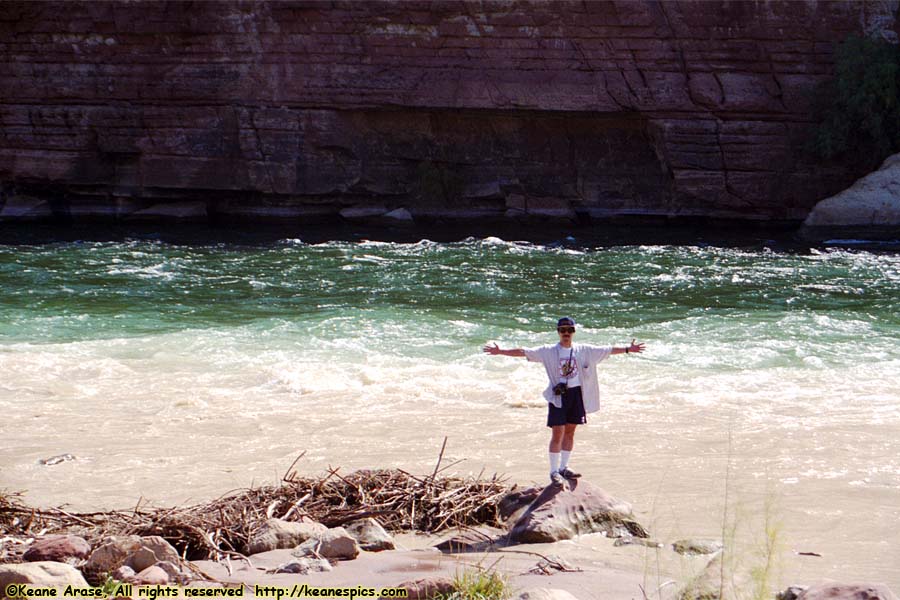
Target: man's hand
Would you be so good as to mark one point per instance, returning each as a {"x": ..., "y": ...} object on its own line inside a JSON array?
[
  {"x": 496, "y": 350},
  {"x": 636, "y": 347}
]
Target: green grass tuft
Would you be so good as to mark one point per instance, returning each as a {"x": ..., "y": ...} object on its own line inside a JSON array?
[{"x": 479, "y": 584}]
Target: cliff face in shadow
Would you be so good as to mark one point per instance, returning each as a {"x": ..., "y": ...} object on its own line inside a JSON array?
[{"x": 451, "y": 109}]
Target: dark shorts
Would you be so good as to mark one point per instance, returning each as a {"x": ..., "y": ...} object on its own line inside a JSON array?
[{"x": 572, "y": 411}]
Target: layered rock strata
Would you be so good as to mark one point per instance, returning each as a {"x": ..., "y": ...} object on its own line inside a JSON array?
[{"x": 468, "y": 110}]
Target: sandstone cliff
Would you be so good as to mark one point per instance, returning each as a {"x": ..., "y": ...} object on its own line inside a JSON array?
[{"x": 468, "y": 109}]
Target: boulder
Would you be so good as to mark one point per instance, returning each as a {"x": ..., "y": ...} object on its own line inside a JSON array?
[
  {"x": 399, "y": 214},
  {"x": 153, "y": 549},
  {"x": 630, "y": 540},
  {"x": 277, "y": 534},
  {"x": 707, "y": 585},
  {"x": 186, "y": 210},
  {"x": 370, "y": 535},
  {"x": 693, "y": 547},
  {"x": 123, "y": 573},
  {"x": 333, "y": 543},
  {"x": 354, "y": 213},
  {"x": 476, "y": 539},
  {"x": 873, "y": 201},
  {"x": 132, "y": 551},
  {"x": 791, "y": 592},
  {"x": 175, "y": 573},
  {"x": 42, "y": 574},
  {"x": 140, "y": 559},
  {"x": 551, "y": 564},
  {"x": 550, "y": 208},
  {"x": 544, "y": 594},
  {"x": 58, "y": 548},
  {"x": 111, "y": 554},
  {"x": 304, "y": 566},
  {"x": 848, "y": 591},
  {"x": 554, "y": 514},
  {"x": 151, "y": 576},
  {"x": 19, "y": 207},
  {"x": 423, "y": 589}
]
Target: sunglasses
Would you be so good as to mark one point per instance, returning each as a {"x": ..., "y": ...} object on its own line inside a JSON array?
[{"x": 566, "y": 329}]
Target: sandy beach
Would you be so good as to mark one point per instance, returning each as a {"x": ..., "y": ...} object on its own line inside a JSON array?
[
  {"x": 595, "y": 568},
  {"x": 607, "y": 572},
  {"x": 609, "y": 558}
]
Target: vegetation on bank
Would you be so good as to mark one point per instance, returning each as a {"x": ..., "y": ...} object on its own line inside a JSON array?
[
  {"x": 858, "y": 111},
  {"x": 479, "y": 584}
]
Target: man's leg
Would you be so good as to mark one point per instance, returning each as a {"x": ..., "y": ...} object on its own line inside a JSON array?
[
  {"x": 557, "y": 433},
  {"x": 566, "y": 445},
  {"x": 556, "y": 421},
  {"x": 574, "y": 417},
  {"x": 568, "y": 437}
]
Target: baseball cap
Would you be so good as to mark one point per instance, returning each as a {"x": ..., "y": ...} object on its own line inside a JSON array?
[{"x": 566, "y": 321}]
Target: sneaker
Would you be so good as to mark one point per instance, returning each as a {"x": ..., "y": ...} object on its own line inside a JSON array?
[
  {"x": 557, "y": 479},
  {"x": 569, "y": 473}
]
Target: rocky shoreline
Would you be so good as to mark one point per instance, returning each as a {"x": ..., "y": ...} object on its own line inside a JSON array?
[
  {"x": 868, "y": 210},
  {"x": 499, "y": 530},
  {"x": 22, "y": 204}
]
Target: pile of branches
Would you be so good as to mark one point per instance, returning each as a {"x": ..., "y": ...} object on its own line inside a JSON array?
[{"x": 396, "y": 499}]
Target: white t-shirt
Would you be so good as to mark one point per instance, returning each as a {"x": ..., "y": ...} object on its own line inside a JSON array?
[
  {"x": 568, "y": 367},
  {"x": 587, "y": 357}
]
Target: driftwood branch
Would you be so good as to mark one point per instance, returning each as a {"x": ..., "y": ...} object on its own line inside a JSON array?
[{"x": 224, "y": 526}]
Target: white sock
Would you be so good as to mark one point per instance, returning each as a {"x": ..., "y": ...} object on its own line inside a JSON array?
[
  {"x": 554, "y": 462},
  {"x": 564, "y": 459}
]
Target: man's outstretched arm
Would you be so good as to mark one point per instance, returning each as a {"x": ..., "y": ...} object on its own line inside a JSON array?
[
  {"x": 631, "y": 349},
  {"x": 495, "y": 350}
]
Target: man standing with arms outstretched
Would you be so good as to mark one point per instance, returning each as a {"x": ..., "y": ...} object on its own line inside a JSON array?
[{"x": 573, "y": 390}]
